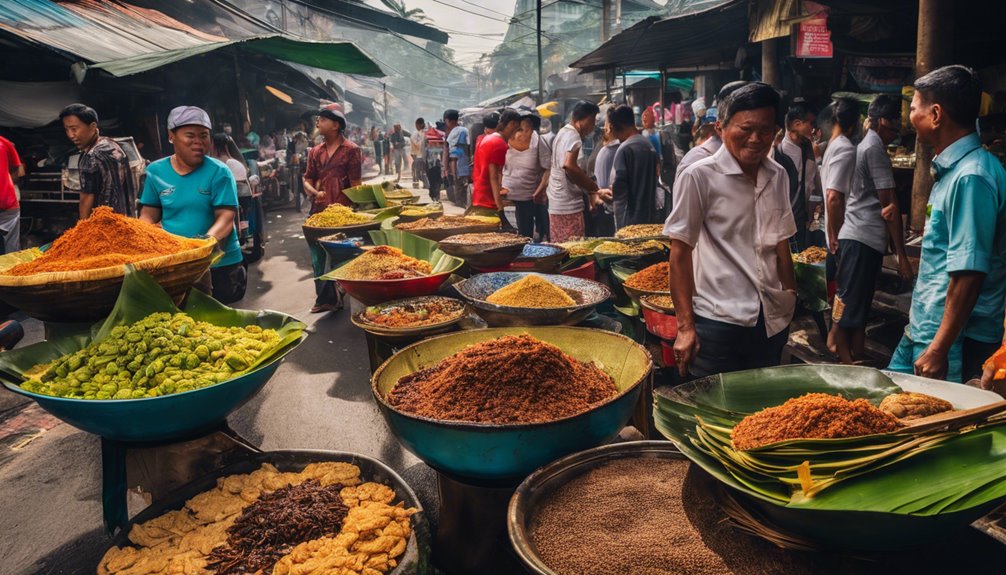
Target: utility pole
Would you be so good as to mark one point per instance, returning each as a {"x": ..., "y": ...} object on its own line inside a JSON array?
[
  {"x": 605, "y": 20},
  {"x": 387, "y": 115},
  {"x": 541, "y": 78}
]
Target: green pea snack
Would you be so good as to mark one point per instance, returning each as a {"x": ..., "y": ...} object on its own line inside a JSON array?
[{"x": 159, "y": 355}]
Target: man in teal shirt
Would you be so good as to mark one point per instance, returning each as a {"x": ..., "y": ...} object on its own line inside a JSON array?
[
  {"x": 957, "y": 307},
  {"x": 192, "y": 194}
]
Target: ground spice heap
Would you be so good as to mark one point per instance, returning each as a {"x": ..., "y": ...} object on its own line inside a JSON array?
[
  {"x": 654, "y": 278},
  {"x": 443, "y": 223},
  {"x": 512, "y": 379},
  {"x": 645, "y": 516},
  {"x": 337, "y": 216},
  {"x": 103, "y": 240},
  {"x": 531, "y": 291},
  {"x": 812, "y": 416},
  {"x": 270, "y": 527},
  {"x": 384, "y": 263}
]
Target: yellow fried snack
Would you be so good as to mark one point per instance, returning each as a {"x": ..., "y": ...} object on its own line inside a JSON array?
[{"x": 374, "y": 534}]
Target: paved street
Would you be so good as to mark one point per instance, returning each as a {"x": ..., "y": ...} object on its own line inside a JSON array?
[{"x": 319, "y": 399}]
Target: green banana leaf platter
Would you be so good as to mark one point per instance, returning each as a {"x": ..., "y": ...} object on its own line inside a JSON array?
[
  {"x": 489, "y": 452},
  {"x": 167, "y": 417},
  {"x": 925, "y": 493}
]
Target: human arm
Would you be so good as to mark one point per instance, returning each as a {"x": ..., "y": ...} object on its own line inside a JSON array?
[
  {"x": 784, "y": 265},
  {"x": 355, "y": 167},
  {"x": 311, "y": 183},
  {"x": 86, "y": 206},
  {"x": 889, "y": 203},
  {"x": 496, "y": 183},
  {"x": 150, "y": 214},
  {"x": 962, "y": 294},
  {"x": 836, "y": 217},
  {"x": 223, "y": 225},
  {"x": 541, "y": 192},
  {"x": 686, "y": 346}
]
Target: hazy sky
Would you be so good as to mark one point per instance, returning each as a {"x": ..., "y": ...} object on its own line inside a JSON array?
[{"x": 471, "y": 34}]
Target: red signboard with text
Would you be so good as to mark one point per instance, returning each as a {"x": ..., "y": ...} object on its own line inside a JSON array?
[{"x": 813, "y": 39}]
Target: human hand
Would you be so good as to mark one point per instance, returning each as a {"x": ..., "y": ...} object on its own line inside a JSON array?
[
  {"x": 504, "y": 191},
  {"x": 605, "y": 194},
  {"x": 905, "y": 268},
  {"x": 832, "y": 244},
  {"x": 540, "y": 198},
  {"x": 686, "y": 347},
  {"x": 932, "y": 364},
  {"x": 888, "y": 212}
]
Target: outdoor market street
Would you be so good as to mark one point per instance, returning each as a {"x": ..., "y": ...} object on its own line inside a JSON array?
[{"x": 319, "y": 399}]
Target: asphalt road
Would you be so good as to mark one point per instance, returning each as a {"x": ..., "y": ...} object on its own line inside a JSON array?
[{"x": 50, "y": 473}]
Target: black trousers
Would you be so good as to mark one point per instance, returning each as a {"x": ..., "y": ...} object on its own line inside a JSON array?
[
  {"x": 725, "y": 347},
  {"x": 974, "y": 353},
  {"x": 531, "y": 217}
]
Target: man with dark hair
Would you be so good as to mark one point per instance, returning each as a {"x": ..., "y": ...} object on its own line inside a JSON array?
[
  {"x": 568, "y": 183},
  {"x": 416, "y": 143},
  {"x": 635, "y": 166},
  {"x": 105, "y": 177},
  {"x": 193, "y": 194},
  {"x": 490, "y": 157},
  {"x": 864, "y": 233},
  {"x": 712, "y": 143},
  {"x": 332, "y": 166},
  {"x": 957, "y": 307},
  {"x": 732, "y": 219},
  {"x": 797, "y": 145},
  {"x": 837, "y": 171},
  {"x": 11, "y": 169},
  {"x": 397, "y": 140},
  {"x": 457, "y": 164}
]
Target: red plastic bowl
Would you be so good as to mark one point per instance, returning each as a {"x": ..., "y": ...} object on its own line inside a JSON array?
[
  {"x": 373, "y": 292},
  {"x": 584, "y": 272},
  {"x": 662, "y": 325},
  {"x": 667, "y": 353}
]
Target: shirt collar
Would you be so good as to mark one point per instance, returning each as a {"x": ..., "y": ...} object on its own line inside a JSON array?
[
  {"x": 954, "y": 152},
  {"x": 727, "y": 164}
]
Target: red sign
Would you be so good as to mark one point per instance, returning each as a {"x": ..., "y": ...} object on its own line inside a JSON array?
[{"x": 813, "y": 39}]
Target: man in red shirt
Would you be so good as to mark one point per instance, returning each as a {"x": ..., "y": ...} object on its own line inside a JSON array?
[
  {"x": 10, "y": 210},
  {"x": 490, "y": 156},
  {"x": 332, "y": 166}
]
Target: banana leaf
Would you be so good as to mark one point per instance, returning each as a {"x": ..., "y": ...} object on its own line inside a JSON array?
[
  {"x": 417, "y": 247},
  {"x": 811, "y": 286},
  {"x": 140, "y": 297}
]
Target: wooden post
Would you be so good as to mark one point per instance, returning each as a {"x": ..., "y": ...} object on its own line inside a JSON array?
[
  {"x": 663, "y": 93},
  {"x": 770, "y": 62},
  {"x": 934, "y": 48},
  {"x": 605, "y": 20},
  {"x": 541, "y": 81}
]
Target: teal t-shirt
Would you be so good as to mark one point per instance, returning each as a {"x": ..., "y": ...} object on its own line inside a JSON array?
[
  {"x": 965, "y": 231},
  {"x": 188, "y": 203}
]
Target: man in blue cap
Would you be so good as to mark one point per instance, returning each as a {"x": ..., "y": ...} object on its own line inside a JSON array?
[{"x": 192, "y": 194}]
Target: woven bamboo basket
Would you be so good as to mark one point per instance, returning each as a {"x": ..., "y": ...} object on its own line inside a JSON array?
[{"x": 89, "y": 295}]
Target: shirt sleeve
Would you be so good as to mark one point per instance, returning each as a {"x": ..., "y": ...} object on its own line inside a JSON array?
[
  {"x": 685, "y": 220},
  {"x": 620, "y": 173},
  {"x": 355, "y": 165},
  {"x": 878, "y": 163},
  {"x": 971, "y": 214},
  {"x": 225, "y": 190},
  {"x": 311, "y": 172},
  {"x": 150, "y": 195},
  {"x": 13, "y": 160},
  {"x": 841, "y": 167},
  {"x": 90, "y": 175}
]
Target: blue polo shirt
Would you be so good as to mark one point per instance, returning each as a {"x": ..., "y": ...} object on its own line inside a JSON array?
[
  {"x": 965, "y": 231},
  {"x": 188, "y": 203}
]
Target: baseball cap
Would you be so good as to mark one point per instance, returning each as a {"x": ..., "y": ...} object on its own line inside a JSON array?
[
  {"x": 188, "y": 116},
  {"x": 332, "y": 112}
]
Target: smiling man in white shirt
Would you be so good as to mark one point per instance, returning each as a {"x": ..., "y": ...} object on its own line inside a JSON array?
[{"x": 731, "y": 271}]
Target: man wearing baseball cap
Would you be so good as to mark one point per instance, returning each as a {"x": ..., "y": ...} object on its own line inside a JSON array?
[
  {"x": 192, "y": 194},
  {"x": 332, "y": 166}
]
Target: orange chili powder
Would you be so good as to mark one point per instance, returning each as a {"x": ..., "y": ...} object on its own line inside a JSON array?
[{"x": 105, "y": 239}]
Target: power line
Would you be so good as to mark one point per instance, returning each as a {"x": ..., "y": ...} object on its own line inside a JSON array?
[{"x": 509, "y": 21}]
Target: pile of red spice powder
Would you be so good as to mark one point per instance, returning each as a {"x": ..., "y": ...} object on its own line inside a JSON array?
[{"x": 512, "y": 379}]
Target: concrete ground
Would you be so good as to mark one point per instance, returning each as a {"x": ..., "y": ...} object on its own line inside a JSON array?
[{"x": 320, "y": 398}]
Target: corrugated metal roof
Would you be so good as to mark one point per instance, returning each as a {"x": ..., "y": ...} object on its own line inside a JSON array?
[
  {"x": 126, "y": 39},
  {"x": 696, "y": 38}
]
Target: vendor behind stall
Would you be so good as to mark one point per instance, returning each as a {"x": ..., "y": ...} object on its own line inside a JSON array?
[
  {"x": 191, "y": 194},
  {"x": 731, "y": 271},
  {"x": 958, "y": 303},
  {"x": 105, "y": 177}
]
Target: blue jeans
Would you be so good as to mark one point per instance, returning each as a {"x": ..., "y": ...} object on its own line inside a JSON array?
[{"x": 964, "y": 360}]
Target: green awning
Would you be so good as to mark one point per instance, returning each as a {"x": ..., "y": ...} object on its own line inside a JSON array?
[{"x": 335, "y": 56}]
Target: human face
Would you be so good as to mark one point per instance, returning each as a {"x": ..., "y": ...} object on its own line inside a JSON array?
[
  {"x": 521, "y": 138},
  {"x": 748, "y": 136},
  {"x": 191, "y": 143},
  {"x": 327, "y": 127},
  {"x": 887, "y": 129},
  {"x": 586, "y": 126},
  {"x": 804, "y": 127},
  {"x": 82, "y": 135},
  {"x": 509, "y": 129},
  {"x": 924, "y": 118}
]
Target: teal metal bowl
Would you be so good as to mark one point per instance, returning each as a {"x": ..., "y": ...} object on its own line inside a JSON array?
[
  {"x": 488, "y": 452},
  {"x": 164, "y": 418}
]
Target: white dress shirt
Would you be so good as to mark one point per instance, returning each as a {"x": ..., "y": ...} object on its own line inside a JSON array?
[{"x": 734, "y": 225}]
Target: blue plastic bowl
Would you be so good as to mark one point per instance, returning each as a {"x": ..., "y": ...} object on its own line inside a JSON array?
[{"x": 505, "y": 452}]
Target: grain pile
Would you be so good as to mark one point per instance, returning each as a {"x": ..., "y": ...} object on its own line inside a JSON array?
[
  {"x": 656, "y": 278},
  {"x": 531, "y": 291},
  {"x": 384, "y": 263},
  {"x": 812, "y": 416},
  {"x": 103, "y": 240},
  {"x": 531, "y": 381}
]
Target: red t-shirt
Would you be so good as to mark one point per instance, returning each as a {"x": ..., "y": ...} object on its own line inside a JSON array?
[
  {"x": 491, "y": 150},
  {"x": 8, "y": 161}
]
